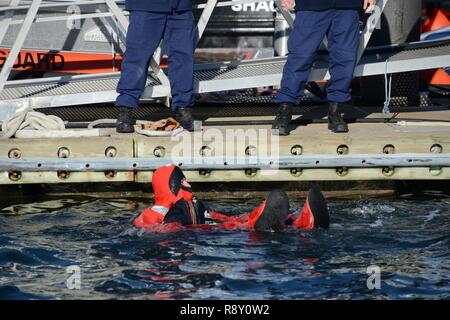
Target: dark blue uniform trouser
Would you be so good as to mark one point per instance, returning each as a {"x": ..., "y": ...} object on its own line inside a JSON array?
[
  {"x": 145, "y": 32},
  {"x": 342, "y": 30}
]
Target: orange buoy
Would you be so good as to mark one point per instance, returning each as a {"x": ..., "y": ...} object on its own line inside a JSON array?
[
  {"x": 438, "y": 21},
  {"x": 440, "y": 77}
]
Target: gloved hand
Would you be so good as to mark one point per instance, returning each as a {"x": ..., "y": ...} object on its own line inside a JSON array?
[
  {"x": 288, "y": 5},
  {"x": 369, "y": 5}
]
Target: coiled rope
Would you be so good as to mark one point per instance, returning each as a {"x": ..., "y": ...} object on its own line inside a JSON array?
[
  {"x": 22, "y": 123},
  {"x": 29, "y": 119}
]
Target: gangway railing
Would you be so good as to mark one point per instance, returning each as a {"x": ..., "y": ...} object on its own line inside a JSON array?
[{"x": 120, "y": 22}]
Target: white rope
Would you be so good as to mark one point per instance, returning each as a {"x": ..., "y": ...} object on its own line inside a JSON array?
[
  {"x": 387, "y": 88},
  {"x": 95, "y": 123},
  {"x": 30, "y": 120},
  {"x": 158, "y": 133},
  {"x": 23, "y": 123},
  {"x": 423, "y": 123}
]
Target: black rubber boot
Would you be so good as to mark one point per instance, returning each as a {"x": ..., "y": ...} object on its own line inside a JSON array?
[
  {"x": 275, "y": 212},
  {"x": 335, "y": 121},
  {"x": 185, "y": 118},
  {"x": 319, "y": 208},
  {"x": 281, "y": 123},
  {"x": 125, "y": 120}
]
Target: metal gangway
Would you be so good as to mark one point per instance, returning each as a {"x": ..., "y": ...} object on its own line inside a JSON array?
[{"x": 208, "y": 77}]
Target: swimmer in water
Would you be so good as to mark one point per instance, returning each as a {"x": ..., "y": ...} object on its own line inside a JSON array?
[{"x": 176, "y": 206}]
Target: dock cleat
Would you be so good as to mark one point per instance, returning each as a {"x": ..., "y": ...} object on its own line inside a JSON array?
[
  {"x": 125, "y": 120},
  {"x": 281, "y": 123},
  {"x": 335, "y": 121},
  {"x": 271, "y": 214},
  {"x": 314, "y": 214}
]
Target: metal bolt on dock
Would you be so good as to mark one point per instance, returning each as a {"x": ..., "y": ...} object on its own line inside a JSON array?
[
  {"x": 297, "y": 150},
  {"x": 63, "y": 152},
  {"x": 159, "y": 152},
  {"x": 342, "y": 171},
  {"x": 389, "y": 149},
  {"x": 296, "y": 172},
  {"x": 111, "y": 152},
  {"x": 342, "y": 149},
  {"x": 14, "y": 153},
  {"x": 63, "y": 175},
  {"x": 15, "y": 175}
]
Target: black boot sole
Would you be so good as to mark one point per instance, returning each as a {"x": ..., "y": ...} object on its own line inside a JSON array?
[
  {"x": 125, "y": 130},
  {"x": 344, "y": 130},
  {"x": 275, "y": 212},
  {"x": 281, "y": 132},
  {"x": 188, "y": 129},
  {"x": 319, "y": 208}
]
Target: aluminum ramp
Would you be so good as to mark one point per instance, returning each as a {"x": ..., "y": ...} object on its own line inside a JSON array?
[{"x": 222, "y": 76}]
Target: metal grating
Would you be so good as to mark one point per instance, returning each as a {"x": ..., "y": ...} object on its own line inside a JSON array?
[
  {"x": 66, "y": 88},
  {"x": 212, "y": 72},
  {"x": 241, "y": 71},
  {"x": 155, "y": 111}
]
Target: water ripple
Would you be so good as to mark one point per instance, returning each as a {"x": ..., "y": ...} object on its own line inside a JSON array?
[{"x": 407, "y": 238}]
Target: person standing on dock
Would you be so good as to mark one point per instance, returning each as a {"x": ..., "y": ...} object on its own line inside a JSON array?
[
  {"x": 150, "y": 22},
  {"x": 315, "y": 19}
]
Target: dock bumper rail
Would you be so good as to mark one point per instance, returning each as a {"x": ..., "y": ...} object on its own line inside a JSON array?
[{"x": 223, "y": 163}]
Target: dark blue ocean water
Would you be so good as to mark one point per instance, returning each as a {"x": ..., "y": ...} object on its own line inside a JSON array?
[{"x": 408, "y": 239}]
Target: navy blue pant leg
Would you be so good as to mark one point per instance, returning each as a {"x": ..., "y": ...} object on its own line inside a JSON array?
[
  {"x": 179, "y": 40},
  {"x": 310, "y": 27},
  {"x": 342, "y": 30},
  {"x": 343, "y": 44},
  {"x": 144, "y": 34}
]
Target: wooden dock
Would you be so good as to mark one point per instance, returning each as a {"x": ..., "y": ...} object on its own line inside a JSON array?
[{"x": 424, "y": 133}]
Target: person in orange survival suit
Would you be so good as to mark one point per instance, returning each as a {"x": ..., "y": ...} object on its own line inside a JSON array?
[{"x": 176, "y": 206}]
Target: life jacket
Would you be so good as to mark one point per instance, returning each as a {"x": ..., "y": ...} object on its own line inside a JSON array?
[{"x": 174, "y": 201}]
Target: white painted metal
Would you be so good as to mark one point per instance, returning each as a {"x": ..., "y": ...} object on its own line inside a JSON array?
[
  {"x": 47, "y": 4},
  {"x": 373, "y": 22},
  {"x": 6, "y": 20},
  {"x": 204, "y": 18},
  {"x": 209, "y": 77},
  {"x": 8, "y": 65},
  {"x": 123, "y": 22},
  {"x": 408, "y": 160},
  {"x": 287, "y": 15}
]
